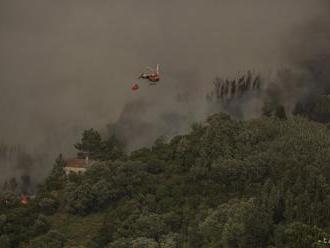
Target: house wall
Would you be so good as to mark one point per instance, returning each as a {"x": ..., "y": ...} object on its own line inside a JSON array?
[{"x": 74, "y": 169}]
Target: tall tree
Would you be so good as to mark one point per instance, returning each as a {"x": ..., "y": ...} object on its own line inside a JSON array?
[{"x": 90, "y": 144}]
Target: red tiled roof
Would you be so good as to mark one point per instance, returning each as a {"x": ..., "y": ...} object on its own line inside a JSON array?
[{"x": 77, "y": 163}]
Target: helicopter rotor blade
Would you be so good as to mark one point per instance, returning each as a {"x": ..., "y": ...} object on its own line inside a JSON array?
[{"x": 149, "y": 69}]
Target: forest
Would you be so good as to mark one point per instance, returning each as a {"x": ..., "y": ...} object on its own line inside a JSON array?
[
  {"x": 227, "y": 183},
  {"x": 165, "y": 124}
]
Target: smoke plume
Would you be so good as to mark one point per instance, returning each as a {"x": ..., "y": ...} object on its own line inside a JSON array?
[{"x": 68, "y": 65}]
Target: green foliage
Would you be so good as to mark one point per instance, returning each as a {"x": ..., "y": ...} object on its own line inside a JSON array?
[
  {"x": 17, "y": 224},
  {"x": 4, "y": 241},
  {"x": 227, "y": 183},
  {"x": 268, "y": 108},
  {"x": 301, "y": 235},
  {"x": 52, "y": 239},
  {"x": 273, "y": 109},
  {"x": 316, "y": 108},
  {"x": 79, "y": 198},
  {"x": 91, "y": 144},
  {"x": 144, "y": 243},
  {"x": 96, "y": 148},
  {"x": 280, "y": 112},
  {"x": 8, "y": 200},
  {"x": 112, "y": 149},
  {"x": 48, "y": 206},
  {"x": 3, "y": 220},
  {"x": 169, "y": 241},
  {"x": 56, "y": 178},
  {"x": 151, "y": 226},
  {"x": 237, "y": 224},
  {"x": 119, "y": 243},
  {"x": 41, "y": 225}
]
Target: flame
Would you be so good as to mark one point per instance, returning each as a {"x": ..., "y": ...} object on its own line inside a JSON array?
[{"x": 24, "y": 199}]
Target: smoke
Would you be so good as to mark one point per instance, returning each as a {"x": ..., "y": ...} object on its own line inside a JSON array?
[
  {"x": 144, "y": 120},
  {"x": 67, "y": 65},
  {"x": 307, "y": 71},
  {"x": 17, "y": 164}
]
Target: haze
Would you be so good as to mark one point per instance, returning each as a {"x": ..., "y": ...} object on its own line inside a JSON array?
[{"x": 68, "y": 65}]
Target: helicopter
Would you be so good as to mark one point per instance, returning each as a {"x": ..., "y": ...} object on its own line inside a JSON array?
[{"x": 153, "y": 75}]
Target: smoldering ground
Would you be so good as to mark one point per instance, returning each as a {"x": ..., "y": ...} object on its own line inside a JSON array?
[{"x": 67, "y": 65}]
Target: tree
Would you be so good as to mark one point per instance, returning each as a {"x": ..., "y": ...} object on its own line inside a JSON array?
[
  {"x": 48, "y": 206},
  {"x": 53, "y": 239},
  {"x": 150, "y": 226},
  {"x": 5, "y": 186},
  {"x": 143, "y": 242},
  {"x": 40, "y": 225},
  {"x": 112, "y": 149},
  {"x": 56, "y": 178},
  {"x": 96, "y": 148},
  {"x": 13, "y": 184},
  {"x": 271, "y": 108},
  {"x": 4, "y": 241},
  {"x": 169, "y": 241},
  {"x": 120, "y": 243},
  {"x": 26, "y": 184},
  {"x": 228, "y": 183},
  {"x": 79, "y": 199},
  {"x": 280, "y": 112},
  {"x": 301, "y": 235},
  {"x": 316, "y": 108},
  {"x": 8, "y": 200},
  {"x": 90, "y": 145},
  {"x": 238, "y": 224},
  {"x": 102, "y": 194},
  {"x": 268, "y": 109},
  {"x": 106, "y": 232}
]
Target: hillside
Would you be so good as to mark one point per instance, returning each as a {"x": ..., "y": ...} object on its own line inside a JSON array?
[{"x": 227, "y": 183}]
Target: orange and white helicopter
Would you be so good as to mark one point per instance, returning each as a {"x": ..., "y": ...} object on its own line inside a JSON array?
[{"x": 153, "y": 76}]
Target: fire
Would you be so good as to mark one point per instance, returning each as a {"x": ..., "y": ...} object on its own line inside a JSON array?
[{"x": 24, "y": 199}]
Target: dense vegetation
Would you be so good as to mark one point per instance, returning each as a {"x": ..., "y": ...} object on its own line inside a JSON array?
[
  {"x": 315, "y": 108},
  {"x": 227, "y": 183}
]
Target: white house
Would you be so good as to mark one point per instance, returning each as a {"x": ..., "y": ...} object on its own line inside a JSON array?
[{"x": 77, "y": 165}]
